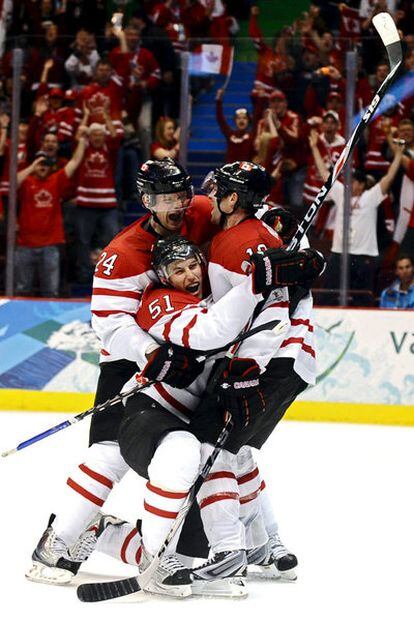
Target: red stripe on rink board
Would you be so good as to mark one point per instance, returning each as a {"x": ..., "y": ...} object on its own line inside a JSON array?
[
  {"x": 300, "y": 322},
  {"x": 96, "y": 476},
  {"x": 85, "y": 493},
  {"x": 300, "y": 340},
  {"x": 102, "y": 291},
  {"x": 186, "y": 331},
  {"x": 166, "y": 493},
  {"x": 220, "y": 475},
  {"x": 172, "y": 401},
  {"x": 246, "y": 478},
  {"x": 159, "y": 512},
  {"x": 126, "y": 543},
  {"x": 220, "y": 496}
]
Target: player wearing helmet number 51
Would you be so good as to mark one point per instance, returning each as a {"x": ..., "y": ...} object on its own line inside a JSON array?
[{"x": 122, "y": 272}]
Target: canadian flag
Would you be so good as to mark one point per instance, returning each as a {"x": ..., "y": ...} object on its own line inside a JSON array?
[{"x": 212, "y": 58}]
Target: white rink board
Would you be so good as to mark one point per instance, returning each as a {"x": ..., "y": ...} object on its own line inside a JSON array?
[{"x": 364, "y": 356}]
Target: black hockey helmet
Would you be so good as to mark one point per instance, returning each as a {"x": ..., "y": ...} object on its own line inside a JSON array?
[
  {"x": 163, "y": 177},
  {"x": 172, "y": 248},
  {"x": 251, "y": 182}
]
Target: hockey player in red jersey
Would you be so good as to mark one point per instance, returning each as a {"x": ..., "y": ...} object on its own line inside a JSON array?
[
  {"x": 277, "y": 366},
  {"x": 158, "y": 444},
  {"x": 122, "y": 272}
]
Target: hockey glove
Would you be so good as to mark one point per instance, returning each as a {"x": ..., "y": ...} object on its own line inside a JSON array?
[
  {"x": 173, "y": 365},
  {"x": 282, "y": 221},
  {"x": 278, "y": 267},
  {"x": 240, "y": 392}
]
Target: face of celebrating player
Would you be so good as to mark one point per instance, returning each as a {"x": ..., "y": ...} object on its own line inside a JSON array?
[
  {"x": 186, "y": 275},
  {"x": 169, "y": 209}
]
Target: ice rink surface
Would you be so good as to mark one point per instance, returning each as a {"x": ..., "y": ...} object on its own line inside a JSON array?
[{"x": 343, "y": 494}]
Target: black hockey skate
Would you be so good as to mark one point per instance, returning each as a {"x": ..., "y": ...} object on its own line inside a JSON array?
[
  {"x": 51, "y": 560},
  {"x": 222, "y": 575},
  {"x": 274, "y": 560},
  {"x": 171, "y": 578}
]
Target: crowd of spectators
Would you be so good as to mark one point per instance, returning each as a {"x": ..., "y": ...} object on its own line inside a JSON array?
[
  {"x": 100, "y": 94},
  {"x": 296, "y": 130},
  {"x": 103, "y": 73}
]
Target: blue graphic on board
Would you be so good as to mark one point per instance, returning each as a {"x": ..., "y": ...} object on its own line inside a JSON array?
[{"x": 47, "y": 346}]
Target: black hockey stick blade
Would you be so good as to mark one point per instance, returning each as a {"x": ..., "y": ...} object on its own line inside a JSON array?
[{"x": 96, "y": 592}]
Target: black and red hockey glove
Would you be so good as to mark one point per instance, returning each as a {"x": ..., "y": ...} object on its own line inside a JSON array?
[
  {"x": 173, "y": 365},
  {"x": 283, "y": 221},
  {"x": 239, "y": 391},
  {"x": 277, "y": 267}
]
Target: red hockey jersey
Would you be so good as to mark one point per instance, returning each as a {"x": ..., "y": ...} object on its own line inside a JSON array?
[{"x": 124, "y": 270}]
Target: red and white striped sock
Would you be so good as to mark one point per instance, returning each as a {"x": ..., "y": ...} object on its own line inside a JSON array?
[
  {"x": 122, "y": 542},
  {"x": 87, "y": 489},
  {"x": 161, "y": 508},
  {"x": 249, "y": 482},
  {"x": 269, "y": 517},
  {"x": 218, "y": 499}
]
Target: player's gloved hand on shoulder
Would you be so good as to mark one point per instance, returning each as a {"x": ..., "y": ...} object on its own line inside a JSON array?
[
  {"x": 283, "y": 221},
  {"x": 173, "y": 365},
  {"x": 277, "y": 267},
  {"x": 239, "y": 390}
]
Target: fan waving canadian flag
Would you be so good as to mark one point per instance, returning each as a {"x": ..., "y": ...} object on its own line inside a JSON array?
[{"x": 210, "y": 58}]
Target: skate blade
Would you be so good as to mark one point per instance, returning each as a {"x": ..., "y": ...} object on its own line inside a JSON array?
[
  {"x": 271, "y": 573},
  {"x": 179, "y": 591},
  {"x": 40, "y": 573},
  {"x": 231, "y": 588}
]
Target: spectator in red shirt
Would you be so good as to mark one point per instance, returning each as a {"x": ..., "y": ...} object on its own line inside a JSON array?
[
  {"x": 40, "y": 223},
  {"x": 141, "y": 74},
  {"x": 330, "y": 144},
  {"x": 96, "y": 215},
  {"x": 167, "y": 135},
  {"x": 106, "y": 92},
  {"x": 239, "y": 140},
  {"x": 5, "y": 155},
  {"x": 289, "y": 128},
  {"x": 376, "y": 163},
  {"x": 271, "y": 60},
  {"x": 367, "y": 86}
]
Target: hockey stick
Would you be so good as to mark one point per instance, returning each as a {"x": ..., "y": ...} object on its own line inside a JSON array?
[
  {"x": 387, "y": 30},
  {"x": 96, "y": 592},
  {"x": 65, "y": 424},
  {"x": 121, "y": 396}
]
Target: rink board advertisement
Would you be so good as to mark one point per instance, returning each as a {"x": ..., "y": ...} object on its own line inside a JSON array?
[{"x": 49, "y": 361}]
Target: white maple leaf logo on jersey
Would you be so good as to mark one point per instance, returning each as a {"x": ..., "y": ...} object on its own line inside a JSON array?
[
  {"x": 43, "y": 199},
  {"x": 96, "y": 164},
  {"x": 99, "y": 100}
]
